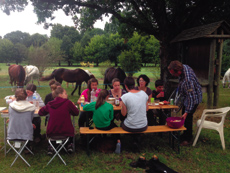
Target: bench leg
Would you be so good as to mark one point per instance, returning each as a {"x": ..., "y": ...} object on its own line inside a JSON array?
[
  {"x": 175, "y": 136},
  {"x": 87, "y": 136}
]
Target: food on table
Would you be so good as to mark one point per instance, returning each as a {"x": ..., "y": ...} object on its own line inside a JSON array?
[{"x": 175, "y": 121}]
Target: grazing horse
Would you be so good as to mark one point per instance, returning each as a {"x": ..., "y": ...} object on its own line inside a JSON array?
[
  {"x": 17, "y": 75},
  {"x": 32, "y": 72},
  {"x": 226, "y": 79},
  {"x": 112, "y": 73},
  {"x": 71, "y": 76},
  {"x": 88, "y": 72}
]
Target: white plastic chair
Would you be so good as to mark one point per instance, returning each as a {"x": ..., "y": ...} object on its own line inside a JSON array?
[{"x": 202, "y": 123}]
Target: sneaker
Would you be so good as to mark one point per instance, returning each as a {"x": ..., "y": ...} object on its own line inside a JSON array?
[
  {"x": 141, "y": 163},
  {"x": 70, "y": 148},
  {"x": 50, "y": 151}
]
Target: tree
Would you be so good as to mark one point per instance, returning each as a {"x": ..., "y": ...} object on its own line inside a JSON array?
[
  {"x": 18, "y": 37},
  {"x": 104, "y": 47},
  {"x": 53, "y": 47},
  {"x": 90, "y": 34},
  {"x": 78, "y": 51},
  {"x": 38, "y": 56},
  {"x": 38, "y": 40},
  {"x": 152, "y": 50},
  {"x": 21, "y": 53},
  {"x": 66, "y": 47},
  {"x": 60, "y": 31},
  {"x": 130, "y": 62},
  {"x": 162, "y": 18},
  {"x": 6, "y": 50},
  {"x": 96, "y": 50}
]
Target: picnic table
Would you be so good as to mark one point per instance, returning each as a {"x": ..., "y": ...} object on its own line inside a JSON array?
[{"x": 174, "y": 133}]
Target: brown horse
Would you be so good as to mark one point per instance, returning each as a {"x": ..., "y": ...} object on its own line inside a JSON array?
[
  {"x": 17, "y": 75},
  {"x": 71, "y": 76},
  {"x": 112, "y": 73}
]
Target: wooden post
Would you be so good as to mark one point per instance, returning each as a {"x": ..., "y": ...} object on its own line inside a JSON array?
[
  {"x": 218, "y": 70},
  {"x": 211, "y": 73}
]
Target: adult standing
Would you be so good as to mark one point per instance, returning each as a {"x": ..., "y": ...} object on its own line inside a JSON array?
[{"x": 190, "y": 88}]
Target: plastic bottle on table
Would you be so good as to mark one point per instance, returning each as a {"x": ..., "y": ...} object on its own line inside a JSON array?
[
  {"x": 35, "y": 100},
  {"x": 117, "y": 101},
  {"x": 93, "y": 95},
  {"x": 118, "y": 147},
  {"x": 82, "y": 100}
]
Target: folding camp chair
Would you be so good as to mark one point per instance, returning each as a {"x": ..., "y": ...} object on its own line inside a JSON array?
[
  {"x": 20, "y": 144},
  {"x": 60, "y": 141}
]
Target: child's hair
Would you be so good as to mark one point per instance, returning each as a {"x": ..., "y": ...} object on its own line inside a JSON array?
[
  {"x": 129, "y": 82},
  {"x": 52, "y": 82},
  {"x": 101, "y": 97},
  {"x": 159, "y": 83},
  {"x": 57, "y": 91},
  {"x": 55, "y": 86},
  {"x": 89, "y": 87},
  {"x": 115, "y": 80},
  {"x": 20, "y": 94},
  {"x": 31, "y": 87},
  {"x": 146, "y": 79}
]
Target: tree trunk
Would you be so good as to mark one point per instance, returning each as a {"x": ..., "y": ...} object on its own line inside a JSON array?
[
  {"x": 59, "y": 63},
  {"x": 167, "y": 54}
]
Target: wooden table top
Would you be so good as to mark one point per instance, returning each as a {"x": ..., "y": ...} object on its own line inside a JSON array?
[{"x": 118, "y": 108}]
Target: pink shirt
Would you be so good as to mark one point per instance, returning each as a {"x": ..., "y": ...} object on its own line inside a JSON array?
[{"x": 84, "y": 93}]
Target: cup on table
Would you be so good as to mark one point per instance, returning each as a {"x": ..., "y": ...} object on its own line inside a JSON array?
[
  {"x": 152, "y": 101},
  {"x": 156, "y": 101}
]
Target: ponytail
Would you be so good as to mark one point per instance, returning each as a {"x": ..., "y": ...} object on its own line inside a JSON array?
[{"x": 101, "y": 98}]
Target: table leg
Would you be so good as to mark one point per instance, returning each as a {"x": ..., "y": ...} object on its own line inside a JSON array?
[
  {"x": 74, "y": 134},
  {"x": 5, "y": 136}
]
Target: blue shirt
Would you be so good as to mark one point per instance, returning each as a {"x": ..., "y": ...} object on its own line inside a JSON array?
[{"x": 190, "y": 88}]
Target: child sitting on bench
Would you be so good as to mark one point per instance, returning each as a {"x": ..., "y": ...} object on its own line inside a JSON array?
[
  {"x": 102, "y": 111},
  {"x": 159, "y": 94}
]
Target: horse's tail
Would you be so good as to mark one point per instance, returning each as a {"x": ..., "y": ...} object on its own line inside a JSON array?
[
  {"x": 46, "y": 78},
  {"x": 22, "y": 74}
]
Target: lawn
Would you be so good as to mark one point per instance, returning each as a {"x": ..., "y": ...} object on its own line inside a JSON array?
[{"x": 206, "y": 156}]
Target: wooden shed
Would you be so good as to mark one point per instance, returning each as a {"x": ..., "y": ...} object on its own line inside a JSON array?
[{"x": 201, "y": 48}]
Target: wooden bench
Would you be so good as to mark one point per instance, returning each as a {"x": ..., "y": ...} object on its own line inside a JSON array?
[{"x": 174, "y": 133}]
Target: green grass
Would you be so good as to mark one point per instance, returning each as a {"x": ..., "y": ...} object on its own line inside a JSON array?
[{"x": 206, "y": 156}]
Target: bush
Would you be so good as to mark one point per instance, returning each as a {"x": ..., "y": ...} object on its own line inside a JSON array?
[{"x": 130, "y": 62}]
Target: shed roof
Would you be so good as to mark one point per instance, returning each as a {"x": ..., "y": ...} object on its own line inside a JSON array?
[{"x": 204, "y": 31}]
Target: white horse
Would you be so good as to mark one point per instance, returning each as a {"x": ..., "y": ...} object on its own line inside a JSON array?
[
  {"x": 226, "y": 79},
  {"x": 88, "y": 72},
  {"x": 32, "y": 72}
]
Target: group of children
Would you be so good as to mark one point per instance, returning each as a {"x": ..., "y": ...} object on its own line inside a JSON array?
[{"x": 133, "y": 113}]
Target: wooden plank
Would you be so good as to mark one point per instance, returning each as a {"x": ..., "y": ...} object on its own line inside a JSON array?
[
  {"x": 218, "y": 71},
  {"x": 217, "y": 36},
  {"x": 211, "y": 74},
  {"x": 119, "y": 130},
  {"x": 118, "y": 108}
]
